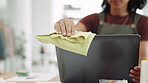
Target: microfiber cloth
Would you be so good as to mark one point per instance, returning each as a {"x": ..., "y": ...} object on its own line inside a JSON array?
[{"x": 78, "y": 43}]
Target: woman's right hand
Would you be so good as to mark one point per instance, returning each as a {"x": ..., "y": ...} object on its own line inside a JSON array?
[{"x": 65, "y": 27}]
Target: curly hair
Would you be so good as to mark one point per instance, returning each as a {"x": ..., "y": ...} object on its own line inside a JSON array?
[{"x": 133, "y": 5}]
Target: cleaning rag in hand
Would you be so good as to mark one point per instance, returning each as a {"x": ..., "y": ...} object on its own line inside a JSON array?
[{"x": 78, "y": 43}]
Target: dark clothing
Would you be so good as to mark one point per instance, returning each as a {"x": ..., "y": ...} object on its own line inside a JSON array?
[{"x": 92, "y": 22}]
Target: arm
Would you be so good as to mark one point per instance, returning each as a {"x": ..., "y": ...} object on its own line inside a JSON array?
[
  {"x": 66, "y": 26},
  {"x": 135, "y": 73},
  {"x": 80, "y": 27},
  {"x": 143, "y": 31},
  {"x": 143, "y": 50}
]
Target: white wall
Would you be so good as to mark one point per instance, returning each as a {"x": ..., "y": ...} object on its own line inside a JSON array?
[
  {"x": 146, "y": 10},
  {"x": 19, "y": 14},
  {"x": 91, "y": 6},
  {"x": 45, "y": 14},
  {"x": 40, "y": 21}
]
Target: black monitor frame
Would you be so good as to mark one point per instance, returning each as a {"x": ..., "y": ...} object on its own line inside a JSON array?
[{"x": 109, "y": 57}]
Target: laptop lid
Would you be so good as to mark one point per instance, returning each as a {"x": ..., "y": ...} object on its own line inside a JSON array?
[{"x": 109, "y": 57}]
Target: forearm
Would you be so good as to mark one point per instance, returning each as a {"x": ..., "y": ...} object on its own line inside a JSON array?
[
  {"x": 143, "y": 51},
  {"x": 80, "y": 27}
]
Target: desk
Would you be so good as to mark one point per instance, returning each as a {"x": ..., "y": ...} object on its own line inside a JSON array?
[
  {"x": 55, "y": 79},
  {"x": 7, "y": 76}
]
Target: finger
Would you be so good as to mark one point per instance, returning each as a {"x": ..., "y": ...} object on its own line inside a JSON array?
[
  {"x": 72, "y": 25},
  {"x": 137, "y": 68},
  {"x": 135, "y": 76},
  {"x": 62, "y": 27},
  {"x": 57, "y": 28},
  {"x": 73, "y": 31},
  {"x": 136, "y": 81},
  {"x": 135, "y": 72},
  {"x": 68, "y": 27}
]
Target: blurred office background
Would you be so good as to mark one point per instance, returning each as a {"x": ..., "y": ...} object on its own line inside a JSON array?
[{"x": 21, "y": 20}]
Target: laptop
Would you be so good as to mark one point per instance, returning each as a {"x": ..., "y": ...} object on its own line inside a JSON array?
[{"x": 109, "y": 57}]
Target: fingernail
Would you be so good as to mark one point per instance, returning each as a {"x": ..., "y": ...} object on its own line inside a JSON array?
[
  {"x": 135, "y": 67},
  {"x": 60, "y": 32},
  {"x": 68, "y": 34},
  {"x": 73, "y": 33},
  {"x": 133, "y": 79},
  {"x": 64, "y": 33},
  {"x": 131, "y": 70}
]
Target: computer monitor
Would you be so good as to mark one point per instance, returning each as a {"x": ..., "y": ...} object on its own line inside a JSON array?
[{"x": 109, "y": 57}]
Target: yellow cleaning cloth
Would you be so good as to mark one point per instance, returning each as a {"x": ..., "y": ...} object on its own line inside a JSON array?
[{"x": 78, "y": 43}]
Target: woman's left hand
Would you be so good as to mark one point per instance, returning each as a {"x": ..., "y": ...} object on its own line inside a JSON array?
[{"x": 135, "y": 74}]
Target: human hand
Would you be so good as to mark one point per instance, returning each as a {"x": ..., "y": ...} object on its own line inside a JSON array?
[
  {"x": 135, "y": 74},
  {"x": 65, "y": 27}
]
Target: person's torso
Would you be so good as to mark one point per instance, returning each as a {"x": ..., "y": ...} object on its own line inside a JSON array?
[{"x": 110, "y": 27}]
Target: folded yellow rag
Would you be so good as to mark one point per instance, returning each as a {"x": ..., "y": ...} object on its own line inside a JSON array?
[{"x": 78, "y": 43}]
